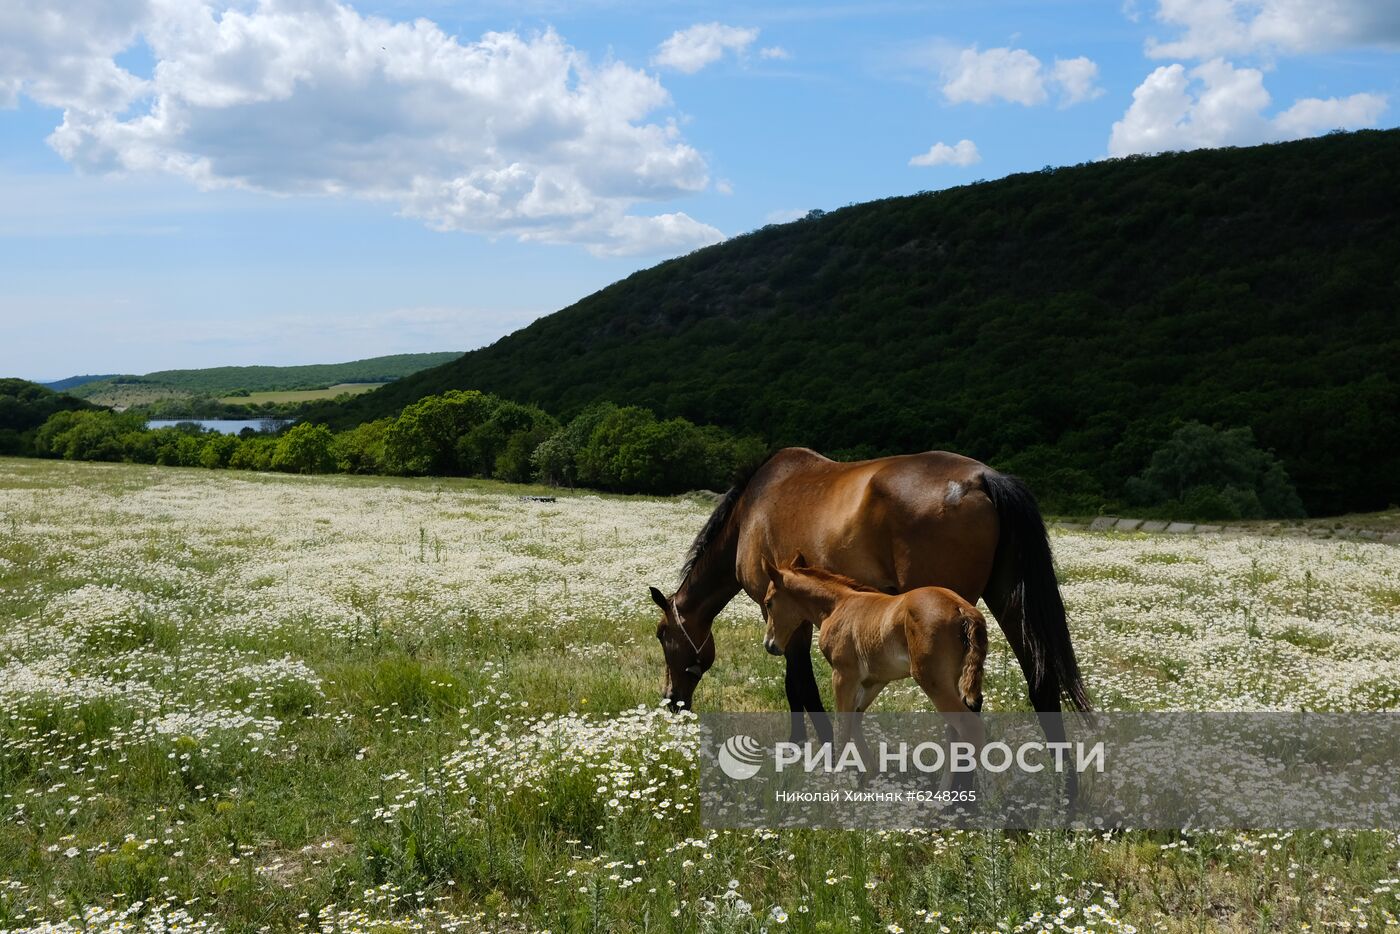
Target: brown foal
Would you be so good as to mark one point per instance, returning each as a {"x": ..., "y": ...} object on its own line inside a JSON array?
[{"x": 871, "y": 638}]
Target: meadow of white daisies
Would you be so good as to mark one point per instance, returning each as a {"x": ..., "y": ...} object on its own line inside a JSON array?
[{"x": 241, "y": 702}]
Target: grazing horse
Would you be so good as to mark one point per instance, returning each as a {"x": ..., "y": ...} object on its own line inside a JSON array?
[{"x": 892, "y": 523}]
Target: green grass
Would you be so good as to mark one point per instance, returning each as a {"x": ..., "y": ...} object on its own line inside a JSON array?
[
  {"x": 352, "y": 795},
  {"x": 301, "y": 395}
]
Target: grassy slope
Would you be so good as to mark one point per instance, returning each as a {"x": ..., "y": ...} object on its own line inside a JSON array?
[
  {"x": 219, "y": 380},
  {"x": 75, "y": 381},
  {"x": 302, "y": 395},
  {"x": 1052, "y": 323}
]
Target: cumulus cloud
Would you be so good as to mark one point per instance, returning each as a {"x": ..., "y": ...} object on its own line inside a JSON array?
[
  {"x": 508, "y": 135},
  {"x": 1217, "y": 104},
  {"x": 1311, "y": 116},
  {"x": 1210, "y": 28},
  {"x": 1008, "y": 74},
  {"x": 774, "y": 52},
  {"x": 1016, "y": 75},
  {"x": 964, "y": 153},
  {"x": 689, "y": 50},
  {"x": 62, "y": 55},
  {"x": 1077, "y": 78}
]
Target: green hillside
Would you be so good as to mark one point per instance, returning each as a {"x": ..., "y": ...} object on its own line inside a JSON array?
[
  {"x": 72, "y": 382},
  {"x": 24, "y": 406},
  {"x": 220, "y": 381},
  {"x": 1059, "y": 323}
]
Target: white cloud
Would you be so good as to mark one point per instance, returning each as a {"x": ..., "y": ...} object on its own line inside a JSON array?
[
  {"x": 509, "y": 135},
  {"x": 1018, "y": 76},
  {"x": 964, "y": 153},
  {"x": 1217, "y": 104},
  {"x": 1311, "y": 116},
  {"x": 775, "y": 52},
  {"x": 785, "y": 215},
  {"x": 1076, "y": 78},
  {"x": 689, "y": 50},
  {"x": 1210, "y": 28},
  {"x": 1008, "y": 74},
  {"x": 62, "y": 54}
]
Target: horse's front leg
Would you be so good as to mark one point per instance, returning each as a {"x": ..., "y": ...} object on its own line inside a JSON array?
[{"x": 803, "y": 695}]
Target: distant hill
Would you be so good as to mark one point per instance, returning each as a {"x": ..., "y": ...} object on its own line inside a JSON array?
[
  {"x": 126, "y": 390},
  {"x": 24, "y": 406},
  {"x": 72, "y": 382},
  {"x": 1056, "y": 323}
]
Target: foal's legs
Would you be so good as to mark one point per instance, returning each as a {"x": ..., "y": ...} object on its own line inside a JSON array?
[
  {"x": 852, "y": 697},
  {"x": 937, "y": 673}
]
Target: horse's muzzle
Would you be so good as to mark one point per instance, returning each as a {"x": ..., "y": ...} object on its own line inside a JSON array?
[{"x": 772, "y": 647}]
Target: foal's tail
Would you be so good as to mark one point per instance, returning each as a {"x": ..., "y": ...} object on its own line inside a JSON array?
[{"x": 974, "y": 639}]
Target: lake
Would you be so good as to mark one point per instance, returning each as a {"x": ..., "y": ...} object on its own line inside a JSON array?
[{"x": 228, "y": 426}]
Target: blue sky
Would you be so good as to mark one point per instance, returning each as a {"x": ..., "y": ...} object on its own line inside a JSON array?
[{"x": 292, "y": 181}]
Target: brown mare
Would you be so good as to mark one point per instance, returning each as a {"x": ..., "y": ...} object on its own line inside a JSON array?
[{"x": 893, "y": 523}]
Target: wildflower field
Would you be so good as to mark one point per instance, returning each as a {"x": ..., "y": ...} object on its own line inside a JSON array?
[{"x": 246, "y": 702}]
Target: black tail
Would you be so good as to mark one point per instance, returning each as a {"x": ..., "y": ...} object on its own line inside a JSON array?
[{"x": 1025, "y": 541}]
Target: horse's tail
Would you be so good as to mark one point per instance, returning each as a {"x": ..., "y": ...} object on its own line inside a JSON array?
[
  {"x": 1026, "y": 544},
  {"x": 974, "y": 638}
]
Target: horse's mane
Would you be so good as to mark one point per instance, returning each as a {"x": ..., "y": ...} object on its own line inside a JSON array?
[
  {"x": 824, "y": 576},
  {"x": 720, "y": 517}
]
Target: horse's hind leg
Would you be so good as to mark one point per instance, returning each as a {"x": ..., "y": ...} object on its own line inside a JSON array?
[{"x": 1005, "y": 605}]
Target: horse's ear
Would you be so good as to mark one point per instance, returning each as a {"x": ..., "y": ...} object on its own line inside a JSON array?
[
  {"x": 799, "y": 560},
  {"x": 659, "y": 599},
  {"x": 770, "y": 571}
]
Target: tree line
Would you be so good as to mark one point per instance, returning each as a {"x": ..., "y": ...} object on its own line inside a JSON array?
[
  {"x": 1201, "y": 472},
  {"x": 458, "y": 433}
]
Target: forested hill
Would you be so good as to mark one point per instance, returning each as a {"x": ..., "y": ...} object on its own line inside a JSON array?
[
  {"x": 1059, "y": 324},
  {"x": 223, "y": 379}
]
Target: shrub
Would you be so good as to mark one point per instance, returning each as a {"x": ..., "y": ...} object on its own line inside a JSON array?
[
  {"x": 556, "y": 460},
  {"x": 511, "y": 427},
  {"x": 600, "y": 460},
  {"x": 86, "y": 435},
  {"x": 630, "y": 449},
  {"x": 217, "y": 450},
  {"x": 361, "y": 449},
  {"x": 178, "y": 446},
  {"x": 254, "y": 453},
  {"x": 1205, "y": 472},
  {"x": 304, "y": 449},
  {"x": 423, "y": 439}
]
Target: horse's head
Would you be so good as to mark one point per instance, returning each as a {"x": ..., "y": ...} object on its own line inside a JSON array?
[
  {"x": 781, "y": 606},
  {"x": 689, "y": 648}
]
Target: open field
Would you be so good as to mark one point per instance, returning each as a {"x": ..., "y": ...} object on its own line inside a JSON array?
[
  {"x": 302, "y": 395},
  {"x": 238, "y": 702},
  {"x": 125, "y": 395}
]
